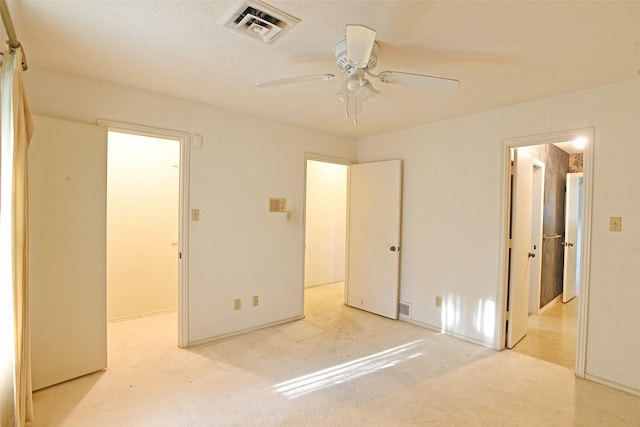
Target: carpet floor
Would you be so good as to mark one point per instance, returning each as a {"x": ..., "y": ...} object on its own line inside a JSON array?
[{"x": 337, "y": 367}]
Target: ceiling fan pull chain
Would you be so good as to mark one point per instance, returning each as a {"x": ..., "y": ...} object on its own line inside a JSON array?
[{"x": 355, "y": 112}]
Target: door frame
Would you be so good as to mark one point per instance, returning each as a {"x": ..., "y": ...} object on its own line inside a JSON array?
[
  {"x": 585, "y": 255},
  {"x": 325, "y": 159},
  {"x": 184, "y": 139}
]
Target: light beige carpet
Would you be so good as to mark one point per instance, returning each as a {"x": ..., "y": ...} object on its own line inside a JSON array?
[{"x": 338, "y": 367}]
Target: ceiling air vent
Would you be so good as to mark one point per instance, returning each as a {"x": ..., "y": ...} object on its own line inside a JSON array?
[{"x": 258, "y": 19}]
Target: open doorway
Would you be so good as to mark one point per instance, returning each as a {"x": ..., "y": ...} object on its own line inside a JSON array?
[
  {"x": 369, "y": 201},
  {"x": 157, "y": 170},
  {"x": 543, "y": 318},
  {"x": 325, "y": 225},
  {"x": 142, "y": 225}
]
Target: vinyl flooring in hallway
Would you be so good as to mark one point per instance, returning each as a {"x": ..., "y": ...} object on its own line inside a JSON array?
[
  {"x": 551, "y": 335},
  {"x": 337, "y": 367}
]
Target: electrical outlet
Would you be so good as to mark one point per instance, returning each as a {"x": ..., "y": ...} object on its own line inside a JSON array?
[
  {"x": 439, "y": 301},
  {"x": 237, "y": 304},
  {"x": 256, "y": 300}
]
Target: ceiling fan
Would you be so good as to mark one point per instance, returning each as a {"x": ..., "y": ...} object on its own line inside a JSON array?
[{"x": 357, "y": 55}]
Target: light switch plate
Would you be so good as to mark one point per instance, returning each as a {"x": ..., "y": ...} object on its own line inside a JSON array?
[
  {"x": 196, "y": 141},
  {"x": 615, "y": 223},
  {"x": 195, "y": 214}
]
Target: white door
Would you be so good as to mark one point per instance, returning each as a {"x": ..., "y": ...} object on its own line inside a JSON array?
[
  {"x": 536, "y": 236},
  {"x": 521, "y": 247},
  {"x": 373, "y": 262},
  {"x": 570, "y": 278},
  {"x": 67, "y": 237}
]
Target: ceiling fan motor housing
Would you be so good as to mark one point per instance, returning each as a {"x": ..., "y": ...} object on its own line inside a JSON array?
[{"x": 346, "y": 64}]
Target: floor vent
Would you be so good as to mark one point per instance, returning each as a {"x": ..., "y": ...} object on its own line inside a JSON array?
[
  {"x": 258, "y": 20},
  {"x": 404, "y": 309}
]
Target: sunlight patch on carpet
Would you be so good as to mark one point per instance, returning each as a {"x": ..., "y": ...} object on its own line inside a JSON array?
[{"x": 348, "y": 371}]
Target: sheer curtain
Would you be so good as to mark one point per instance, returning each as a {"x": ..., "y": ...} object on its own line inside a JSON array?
[{"x": 16, "y": 128}]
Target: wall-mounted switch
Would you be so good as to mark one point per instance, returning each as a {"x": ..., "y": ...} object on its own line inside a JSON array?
[
  {"x": 195, "y": 214},
  {"x": 196, "y": 141},
  {"x": 615, "y": 223},
  {"x": 439, "y": 301},
  {"x": 256, "y": 300},
  {"x": 237, "y": 304}
]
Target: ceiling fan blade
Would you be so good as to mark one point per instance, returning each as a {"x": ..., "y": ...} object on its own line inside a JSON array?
[
  {"x": 301, "y": 79},
  {"x": 360, "y": 40},
  {"x": 419, "y": 80}
]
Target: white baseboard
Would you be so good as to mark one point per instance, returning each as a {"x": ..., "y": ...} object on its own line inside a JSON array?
[
  {"x": 612, "y": 384},
  {"x": 141, "y": 315},
  {"x": 244, "y": 331},
  {"x": 550, "y": 304},
  {"x": 449, "y": 333}
]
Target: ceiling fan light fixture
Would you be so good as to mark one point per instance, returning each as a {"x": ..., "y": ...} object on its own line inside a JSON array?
[
  {"x": 357, "y": 55},
  {"x": 356, "y": 90},
  {"x": 353, "y": 83},
  {"x": 368, "y": 91}
]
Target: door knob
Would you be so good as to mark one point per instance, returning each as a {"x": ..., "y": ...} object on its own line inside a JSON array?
[
  {"x": 532, "y": 255},
  {"x": 393, "y": 248}
]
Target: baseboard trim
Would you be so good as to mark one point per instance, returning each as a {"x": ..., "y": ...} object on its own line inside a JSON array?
[
  {"x": 139, "y": 316},
  {"x": 315, "y": 285},
  {"x": 612, "y": 384},
  {"x": 243, "y": 331},
  {"x": 449, "y": 333},
  {"x": 550, "y": 304}
]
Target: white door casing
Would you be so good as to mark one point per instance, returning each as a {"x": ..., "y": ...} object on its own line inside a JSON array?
[
  {"x": 586, "y": 225},
  {"x": 521, "y": 246},
  {"x": 67, "y": 198},
  {"x": 374, "y": 237},
  {"x": 570, "y": 277},
  {"x": 183, "y": 215}
]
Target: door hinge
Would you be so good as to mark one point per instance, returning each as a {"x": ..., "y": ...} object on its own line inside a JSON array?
[{"x": 179, "y": 255}]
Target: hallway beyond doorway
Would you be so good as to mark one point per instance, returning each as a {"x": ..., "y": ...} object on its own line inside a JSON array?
[{"x": 551, "y": 335}]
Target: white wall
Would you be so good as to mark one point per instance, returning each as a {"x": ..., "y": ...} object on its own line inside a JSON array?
[
  {"x": 452, "y": 210},
  {"x": 142, "y": 225},
  {"x": 237, "y": 249},
  {"x": 326, "y": 218}
]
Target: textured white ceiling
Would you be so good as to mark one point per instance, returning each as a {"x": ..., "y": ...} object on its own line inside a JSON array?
[{"x": 502, "y": 52}]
